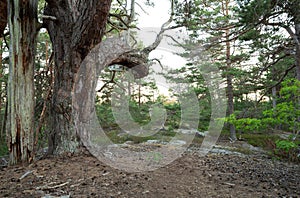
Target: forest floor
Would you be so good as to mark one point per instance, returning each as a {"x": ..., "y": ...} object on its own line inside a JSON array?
[{"x": 215, "y": 175}]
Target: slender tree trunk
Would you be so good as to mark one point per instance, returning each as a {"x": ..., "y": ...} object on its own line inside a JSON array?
[
  {"x": 295, "y": 6},
  {"x": 78, "y": 27},
  {"x": 229, "y": 77},
  {"x": 274, "y": 97},
  {"x": 1, "y": 85},
  {"x": 22, "y": 17},
  {"x": 297, "y": 34},
  {"x": 139, "y": 95},
  {"x": 274, "y": 90}
]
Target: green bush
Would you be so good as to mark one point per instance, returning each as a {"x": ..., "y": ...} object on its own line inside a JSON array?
[
  {"x": 285, "y": 114},
  {"x": 285, "y": 145},
  {"x": 245, "y": 124},
  {"x": 287, "y": 149}
]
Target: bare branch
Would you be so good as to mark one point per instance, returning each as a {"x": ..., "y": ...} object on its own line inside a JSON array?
[
  {"x": 293, "y": 35},
  {"x": 273, "y": 63},
  {"x": 160, "y": 35},
  {"x": 142, "y": 8},
  {"x": 48, "y": 187},
  {"x": 108, "y": 82},
  {"x": 121, "y": 4},
  {"x": 280, "y": 81},
  {"x": 53, "y": 18},
  {"x": 132, "y": 12},
  {"x": 138, "y": 59},
  {"x": 119, "y": 17},
  {"x": 173, "y": 39},
  {"x": 157, "y": 60},
  {"x": 118, "y": 28}
]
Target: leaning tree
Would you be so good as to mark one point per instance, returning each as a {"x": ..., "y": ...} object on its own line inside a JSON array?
[{"x": 75, "y": 28}]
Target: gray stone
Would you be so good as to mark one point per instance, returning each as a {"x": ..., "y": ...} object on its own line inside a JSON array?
[{"x": 177, "y": 142}]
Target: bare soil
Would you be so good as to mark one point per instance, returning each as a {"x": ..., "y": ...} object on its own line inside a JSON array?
[{"x": 215, "y": 175}]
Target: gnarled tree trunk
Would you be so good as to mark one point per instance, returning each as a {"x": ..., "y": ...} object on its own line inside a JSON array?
[{"x": 75, "y": 27}]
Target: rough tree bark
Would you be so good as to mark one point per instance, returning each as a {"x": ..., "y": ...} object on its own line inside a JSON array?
[
  {"x": 22, "y": 17},
  {"x": 75, "y": 27},
  {"x": 3, "y": 16}
]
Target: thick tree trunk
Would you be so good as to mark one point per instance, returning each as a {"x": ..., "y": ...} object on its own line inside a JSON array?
[
  {"x": 20, "y": 131},
  {"x": 78, "y": 27}
]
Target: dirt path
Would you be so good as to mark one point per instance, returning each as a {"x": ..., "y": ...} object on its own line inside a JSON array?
[{"x": 216, "y": 175}]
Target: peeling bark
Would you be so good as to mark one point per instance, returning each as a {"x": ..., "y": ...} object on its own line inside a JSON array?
[{"x": 20, "y": 127}]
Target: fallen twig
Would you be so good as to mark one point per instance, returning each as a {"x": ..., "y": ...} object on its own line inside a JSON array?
[
  {"x": 25, "y": 175},
  {"x": 47, "y": 187}
]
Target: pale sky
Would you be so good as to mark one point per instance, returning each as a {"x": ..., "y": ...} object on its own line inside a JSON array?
[
  {"x": 155, "y": 16},
  {"x": 150, "y": 24}
]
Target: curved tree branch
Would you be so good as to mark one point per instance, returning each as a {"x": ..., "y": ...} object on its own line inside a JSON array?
[{"x": 137, "y": 59}]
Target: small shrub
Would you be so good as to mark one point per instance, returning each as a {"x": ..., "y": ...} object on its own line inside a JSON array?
[
  {"x": 285, "y": 145},
  {"x": 286, "y": 149}
]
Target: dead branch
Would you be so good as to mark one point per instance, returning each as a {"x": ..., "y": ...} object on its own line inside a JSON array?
[
  {"x": 160, "y": 35},
  {"x": 158, "y": 61},
  {"x": 48, "y": 187},
  {"x": 142, "y": 8},
  {"x": 108, "y": 82},
  {"x": 178, "y": 43},
  {"x": 25, "y": 175},
  {"x": 47, "y": 17}
]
